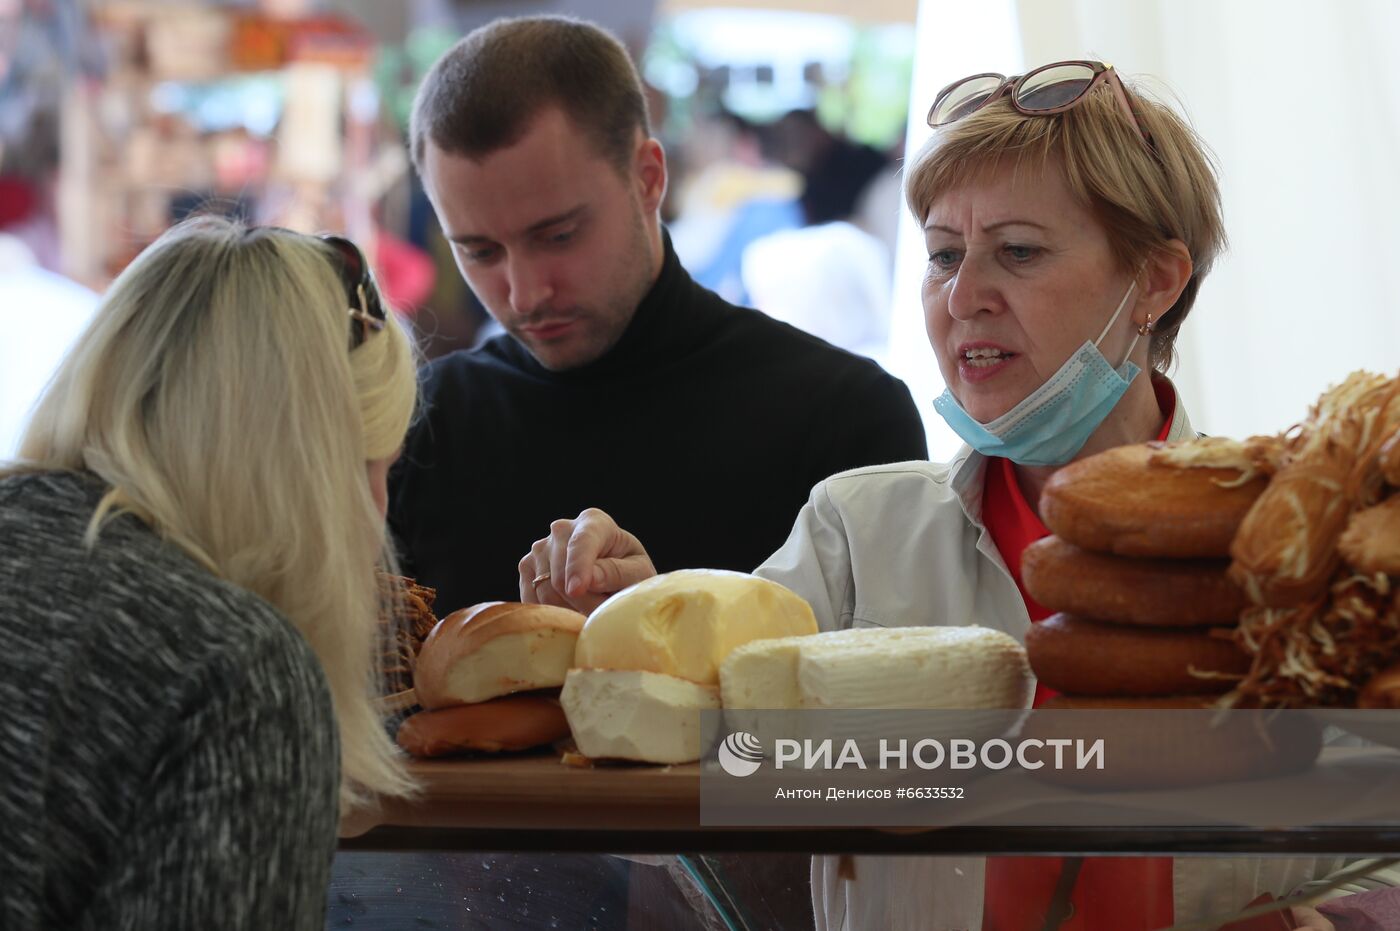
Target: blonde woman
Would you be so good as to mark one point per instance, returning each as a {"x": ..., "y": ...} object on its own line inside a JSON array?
[{"x": 188, "y": 605}]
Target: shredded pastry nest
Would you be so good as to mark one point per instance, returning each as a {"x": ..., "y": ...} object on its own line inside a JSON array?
[
  {"x": 1258, "y": 455},
  {"x": 1320, "y": 654},
  {"x": 406, "y": 619},
  {"x": 1322, "y": 650}
]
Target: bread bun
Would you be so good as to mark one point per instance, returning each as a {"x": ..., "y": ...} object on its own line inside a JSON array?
[
  {"x": 1121, "y": 589},
  {"x": 685, "y": 623},
  {"x": 518, "y": 722},
  {"x": 633, "y": 715},
  {"x": 1166, "y": 751},
  {"x": 1082, "y": 657},
  {"x": 494, "y": 649},
  {"x": 1123, "y": 502}
]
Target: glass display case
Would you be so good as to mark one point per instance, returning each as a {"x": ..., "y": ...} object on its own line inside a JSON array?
[{"x": 527, "y": 842}]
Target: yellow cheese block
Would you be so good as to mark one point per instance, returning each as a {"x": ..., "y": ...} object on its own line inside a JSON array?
[{"x": 685, "y": 623}]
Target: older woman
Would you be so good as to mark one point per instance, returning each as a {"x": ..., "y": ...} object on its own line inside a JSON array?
[
  {"x": 1069, "y": 224},
  {"x": 189, "y": 612}
]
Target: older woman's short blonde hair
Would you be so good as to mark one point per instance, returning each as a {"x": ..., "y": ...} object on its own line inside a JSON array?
[
  {"x": 1142, "y": 198},
  {"x": 216, "y": 394}
]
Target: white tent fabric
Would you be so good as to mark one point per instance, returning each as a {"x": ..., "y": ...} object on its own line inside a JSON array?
[{"x": 1298, "y": 103}]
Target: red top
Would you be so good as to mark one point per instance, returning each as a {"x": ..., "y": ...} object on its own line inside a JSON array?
[
  {"x": 1014, "y": 526},
  {"x": 1112, "y": 893}
]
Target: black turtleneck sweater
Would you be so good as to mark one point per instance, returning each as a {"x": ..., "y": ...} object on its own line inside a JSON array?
[{"x": 702, "y": 432}]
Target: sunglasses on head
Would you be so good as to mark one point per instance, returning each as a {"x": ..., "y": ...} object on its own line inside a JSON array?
[
  {"x": 1049, "y": 89},
  {"x": 365, "y": 308}
]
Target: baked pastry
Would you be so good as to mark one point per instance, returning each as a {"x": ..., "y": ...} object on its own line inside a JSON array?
[
  {"x": 1389, "y": 459},
  {"x": 1371, "y": 541},
  {"x": 405, "y": 622},
  {"x": 1382, "y": 690},
  {"x": 1128, "y": 502},
  {"x": 1257, "y": 455},
  {"x": 517, "y": 722},
  {"x": 1090, "y": 658},
  {"x": 1121, "y": 589},
  {"x": 494, "y": 649},
  {"x": 1320, "y": 653},
  {"x": 1286, "y": 548}
]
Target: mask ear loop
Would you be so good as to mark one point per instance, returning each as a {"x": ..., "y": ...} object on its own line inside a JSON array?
[
  {"x": 1141, "y": 331},
  {"x": 1114, "y": 319}
]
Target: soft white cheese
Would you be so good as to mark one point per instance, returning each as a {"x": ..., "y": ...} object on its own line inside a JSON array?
[
  {"x": 636, "y": 715},
  {"x": 763, "y": 673},
  {"x": 900, "y": 667}
]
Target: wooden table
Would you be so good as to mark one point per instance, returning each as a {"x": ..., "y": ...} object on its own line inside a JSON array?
[
  {"x": 534, "y": 802},
  {"x": 526, "y": 792}
]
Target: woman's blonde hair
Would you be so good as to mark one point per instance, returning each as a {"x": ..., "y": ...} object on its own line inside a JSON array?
[
  {"x": 216, "y": 394},
  {"x": 1142, "y": 198}
]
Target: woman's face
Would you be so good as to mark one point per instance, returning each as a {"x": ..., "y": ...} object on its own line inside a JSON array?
[{"x": 1019, "y": 275}]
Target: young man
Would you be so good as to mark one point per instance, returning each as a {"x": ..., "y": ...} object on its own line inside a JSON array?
[{"x": 620, "y": 383}]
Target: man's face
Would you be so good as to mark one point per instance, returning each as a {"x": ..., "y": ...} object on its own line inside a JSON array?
[{"x": 557, "y": 244}]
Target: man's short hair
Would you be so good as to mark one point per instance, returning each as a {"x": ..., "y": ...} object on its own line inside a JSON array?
[{"x": 484, "y": 92}]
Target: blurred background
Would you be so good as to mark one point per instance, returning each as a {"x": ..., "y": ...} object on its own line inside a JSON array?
[
  {"x": 118, "y": 118},
  {"x": 785, "y": 121}
]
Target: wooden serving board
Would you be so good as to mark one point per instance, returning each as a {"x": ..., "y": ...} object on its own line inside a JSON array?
[{"x": 529, "y": 791}]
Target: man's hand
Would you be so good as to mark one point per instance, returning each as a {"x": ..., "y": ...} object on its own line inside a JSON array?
[{"x": 582, "y": 562}]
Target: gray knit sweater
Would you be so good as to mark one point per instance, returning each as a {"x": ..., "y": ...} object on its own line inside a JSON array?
[{"x": 168, "y": 750}]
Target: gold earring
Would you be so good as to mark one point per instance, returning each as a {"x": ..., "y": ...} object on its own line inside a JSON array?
[{"x": 1145, "y": 328}]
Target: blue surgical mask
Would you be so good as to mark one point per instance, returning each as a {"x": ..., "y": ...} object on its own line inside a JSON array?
[{"x": 1054, "y": 422}]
